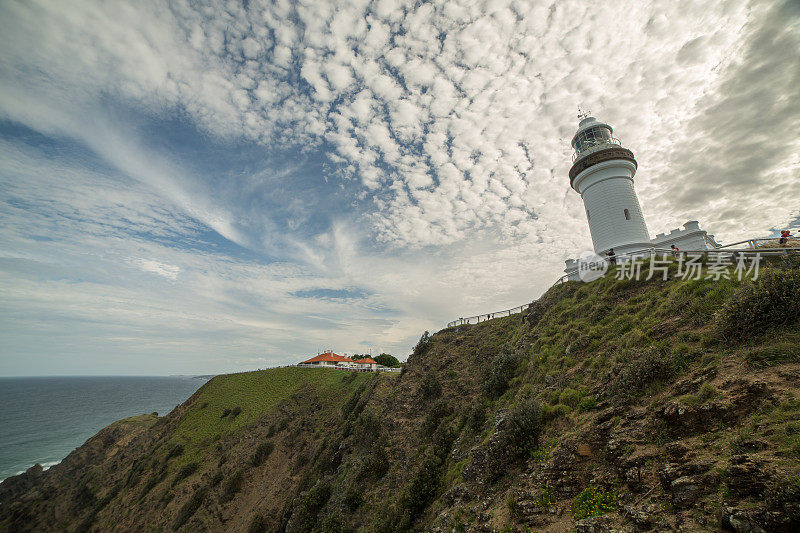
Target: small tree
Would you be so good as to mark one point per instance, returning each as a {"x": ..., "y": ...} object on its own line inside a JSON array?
[
  {"x": 422, "y": 345},
  {"x": 387, "y": 360}
]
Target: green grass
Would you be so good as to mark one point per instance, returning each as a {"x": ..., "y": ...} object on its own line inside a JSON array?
[
  {"x": 257, "y": 394},
  {"x": 140, "y": 420}
]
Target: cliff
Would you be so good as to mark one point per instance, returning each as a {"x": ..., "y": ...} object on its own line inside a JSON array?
[{"x": 614, "y": 405}]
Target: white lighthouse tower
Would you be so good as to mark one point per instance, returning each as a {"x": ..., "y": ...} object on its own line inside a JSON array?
[{"x": 602, "y": 173}]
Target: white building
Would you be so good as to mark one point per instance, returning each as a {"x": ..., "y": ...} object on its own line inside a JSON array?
[
  {"x": 367, "y": 364},
  {"x": 602, "y": 173}
]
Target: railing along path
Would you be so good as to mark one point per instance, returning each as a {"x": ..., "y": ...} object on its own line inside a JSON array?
[{"x": 761, "y": 246}]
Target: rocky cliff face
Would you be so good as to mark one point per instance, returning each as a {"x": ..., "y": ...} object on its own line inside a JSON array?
[{"x": 610, "y": 406}]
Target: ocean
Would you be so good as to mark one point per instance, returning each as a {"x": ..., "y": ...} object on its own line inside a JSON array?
[{"x": 43, "y": 419}]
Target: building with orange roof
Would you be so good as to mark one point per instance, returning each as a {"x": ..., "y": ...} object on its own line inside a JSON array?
[
  {"x": 330, "y": 359},
  {"x": 367, "y": 364}
]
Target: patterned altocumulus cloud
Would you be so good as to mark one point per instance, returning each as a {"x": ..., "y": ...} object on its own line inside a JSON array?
[{"x": 380, "y": 166}]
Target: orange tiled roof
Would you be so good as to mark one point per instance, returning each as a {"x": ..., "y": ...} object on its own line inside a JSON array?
[
  {"x": 367, "y": 361},
  {"x": 329, "y": 357}
]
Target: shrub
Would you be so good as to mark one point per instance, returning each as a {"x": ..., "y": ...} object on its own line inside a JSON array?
[
  {"x": 387, "y": 360},
  {"x": 185, "y": 471},
  {"x": 375, "y": 464},
  {"x": 476, "y": 417},
  {"x": 307, "y": 507},
  {"x": 758, "y": 306},
  {"x": 498, "y": 373},
  {"x": 422, "y": 489},
  {"x": 174, "y": 451},
  {"x": 430, "y": 387},
  {"x": 235, "y": 412},
  {"x": 353, "y": 499},
  {"x": 551, "y": 412},
  {"x": 588, "y": 403},
  {"x": 189, "y": 508},
  {"x": 519, "y": 431},
  {"x": 783, "y": 494},
  {"x": 512, "y": 505},
  {"x": 263, "y": 450},
  {"x": 225, "y": 412},
  {"x": 546, "y": 498},
  {"x": 232, "y": 486},
  {"x": 152, "y": 481},
  {"x": 593, "y": 502},
  {"x": 215, "y": 479},
  {"x": 258, "y": 524},
  {"x": 436, "y": 413},
  {"x": 443, "y": 439},
  {"x": 638, "y": 371},
  {"x": 569, "y": 397},
  {"x": 423, "y": 344}
]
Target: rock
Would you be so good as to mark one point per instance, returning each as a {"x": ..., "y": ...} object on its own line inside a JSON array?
[
  {"x": 739, "y": 521},
  {"x": 685, "y": 491},
  {"x": 745, "y": 477},
  {"x": 595, "y": 524},
  {"x": 644, "y": 517},
  {"x": 585, "y": 450},
  {"x": 673, "y": 471},
  {"x": 676, "y": 450}
]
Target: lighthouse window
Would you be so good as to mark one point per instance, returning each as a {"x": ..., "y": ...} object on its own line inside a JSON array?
[
  {"x": 592, "y": 137},
  {"x": 627, "y": 215}
]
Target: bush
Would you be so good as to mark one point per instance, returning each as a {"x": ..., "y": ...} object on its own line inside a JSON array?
[
  {"x": 189, "y": 508},
  {"x": 353, "y": 499},
  {"x": 593, "y": 502},
  {"x": 225, "y": 412},
  {"x": 174, "y": 451},
  {"x": 443, "y": 439},
  {"x": 306, "y": 508},
  {"x": 263, "y": 451},
  {"x": 588, "y": 403},
  {"x": 422, "y": 489},
  {"x": 569, "y": 397},
  {"x": 638, "y": 371},
  {"x": 235, "y": 412},
  {"x": 423, "y": 344},
  {"x": 758, "y": 306},
  {"x": 258, "y": 524},
  {"x": 232, "y": 486},
  {"x": 783, "y": 495},
  {"x": 476, "y": 417},
  {"x": 185, "y": 471},
  {"x": 498, "y": 373},
  {"x": 438, "y": 411},
  {"x": 430, "y": 387},
  {"x": 215, "y": 479},
  {"x": 375, "y": 464},
  {"x": 519, "y": 431},
  {"x": 387, "y": 360}
]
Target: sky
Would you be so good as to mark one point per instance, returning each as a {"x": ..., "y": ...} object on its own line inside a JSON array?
[{"x": 204, "y": 186}]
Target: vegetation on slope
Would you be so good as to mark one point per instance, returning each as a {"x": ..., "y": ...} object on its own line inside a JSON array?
[{"x": 625, "y": 404}]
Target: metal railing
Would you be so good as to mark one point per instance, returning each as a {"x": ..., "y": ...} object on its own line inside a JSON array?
[
  {"x": 595, "y": 148},
  {"x": 752, "y": 248}
]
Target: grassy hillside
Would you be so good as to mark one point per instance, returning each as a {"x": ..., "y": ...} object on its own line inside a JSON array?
[
  {"x": 626, "y": 405},
  {"x": 246, "y": 398}
]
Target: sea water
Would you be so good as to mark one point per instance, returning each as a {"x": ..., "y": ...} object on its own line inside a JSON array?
[{"x": 43, "y": 419}]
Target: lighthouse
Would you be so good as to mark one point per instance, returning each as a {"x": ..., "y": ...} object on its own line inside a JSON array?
[{"x": 602, "y": 173}]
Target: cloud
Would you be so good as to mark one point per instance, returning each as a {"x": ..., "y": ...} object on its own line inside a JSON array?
[{"x": 186, "y": 174}]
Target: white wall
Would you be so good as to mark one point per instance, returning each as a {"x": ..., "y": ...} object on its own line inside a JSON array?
[{"x": 607, "y": 191}]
